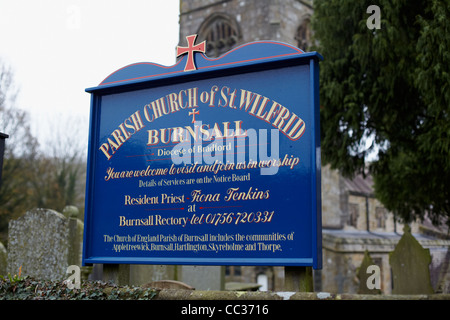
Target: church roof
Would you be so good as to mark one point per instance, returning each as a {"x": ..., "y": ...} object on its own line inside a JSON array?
[{"x": 360, "y": 185}]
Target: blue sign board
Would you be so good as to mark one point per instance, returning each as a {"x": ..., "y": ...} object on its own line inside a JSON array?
[{"x": 208, "y": 161}]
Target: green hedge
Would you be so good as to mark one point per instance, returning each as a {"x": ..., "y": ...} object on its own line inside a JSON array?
[{"x": 27, "y": 288}]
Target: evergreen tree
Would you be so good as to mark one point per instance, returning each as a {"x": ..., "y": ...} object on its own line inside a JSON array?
[{"x": 388, "y": 90}]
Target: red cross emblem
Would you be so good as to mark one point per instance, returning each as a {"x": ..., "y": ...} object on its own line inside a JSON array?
[
  {"x": 190, "y": 49},
  {"x": 193, "y": 113}
]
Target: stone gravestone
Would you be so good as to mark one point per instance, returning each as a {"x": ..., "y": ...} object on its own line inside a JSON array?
[
  {"x": 44, "y": 243},
  {"x": 410, "y": 266},
  {"x": 363, "y": 276},
  {"x": 75, "y": 235}
]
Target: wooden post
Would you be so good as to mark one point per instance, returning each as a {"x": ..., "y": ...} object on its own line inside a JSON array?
[
  {"x": 298, "y": 279},
  {"x": 2, "y": 151},
  {"x": 117, "y": 273}
]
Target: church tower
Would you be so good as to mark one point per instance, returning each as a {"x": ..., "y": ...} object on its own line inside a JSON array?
[{"x": 225, "y": 24}]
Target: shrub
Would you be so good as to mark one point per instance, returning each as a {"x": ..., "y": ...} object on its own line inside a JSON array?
[{"x": 27, "y": 288}]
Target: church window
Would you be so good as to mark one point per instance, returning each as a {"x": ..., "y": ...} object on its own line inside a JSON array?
[
  {"x": 221, "y": 33},
  {"x": 380, "y": 216},
  {"x": 353, "y": 211},
  {"x": 303, "y": 35}
]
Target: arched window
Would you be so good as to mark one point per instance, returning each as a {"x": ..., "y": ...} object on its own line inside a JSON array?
[
  {"x": 221, "y": 33},
  {"x": 303, "y": 35}
]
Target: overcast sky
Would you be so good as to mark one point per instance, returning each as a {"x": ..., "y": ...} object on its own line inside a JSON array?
[{"x": 57, "y": 48}]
